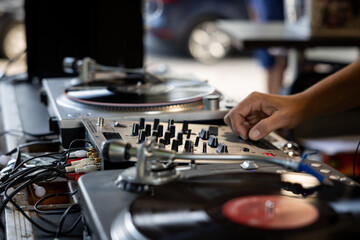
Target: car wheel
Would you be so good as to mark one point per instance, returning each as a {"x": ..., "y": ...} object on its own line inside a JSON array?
[
  {"x": 207, "y": 43},
  {"x": 14, "y": 41}
]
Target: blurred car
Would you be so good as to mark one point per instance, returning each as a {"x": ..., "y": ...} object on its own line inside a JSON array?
[
  {"x": 190, "y": 24},
  {"x": 12, "y": 28}
]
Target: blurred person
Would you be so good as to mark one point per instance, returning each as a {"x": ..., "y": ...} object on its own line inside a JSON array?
[
  {"x": 273, "y": 63},
  {"x": 259, "y": 114}
]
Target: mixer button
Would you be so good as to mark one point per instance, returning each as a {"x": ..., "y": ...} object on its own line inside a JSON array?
[
  {"x": 244, "y": 149},
  {"x": 213, "y": 130}
]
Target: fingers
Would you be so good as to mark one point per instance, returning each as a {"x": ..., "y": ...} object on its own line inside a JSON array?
[
  {"x": 266, "y": 126},
  {"x": 246, "y": 114},
  {"x": 237, "y": 123}
]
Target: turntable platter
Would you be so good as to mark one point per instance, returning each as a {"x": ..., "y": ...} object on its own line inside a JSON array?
[{"x": 126, "y": 92}]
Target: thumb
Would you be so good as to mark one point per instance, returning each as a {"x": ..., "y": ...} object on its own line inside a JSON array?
[{"x": 265, "y": 126}]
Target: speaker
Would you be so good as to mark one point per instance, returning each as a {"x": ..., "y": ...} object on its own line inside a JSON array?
[{"x": 109, "y": 31}]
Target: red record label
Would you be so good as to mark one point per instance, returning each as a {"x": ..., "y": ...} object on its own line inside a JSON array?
[{"x": 270, "y": 212}]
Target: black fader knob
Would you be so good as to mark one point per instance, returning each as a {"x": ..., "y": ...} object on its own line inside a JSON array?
[
  {"x": 188, "y": 135},
  {"x": 135, "y": 129},
  {"x": 213, "y": 141},
  {"x": 148, "y": 130},
  {"x": 141, "y": 138},
  {"x": 174, "y": 145},
  {"x": 156, "y": 123},
  {"x": 204, "y": 150},
  {"x": 160, "y": 130},
  {"x": 197, "y": 141},
  {"x": 170, "y": 123},
  {"x": 155, "y": 134},
  {"x": 142, "y": 123},
  {"x": 204, "y": 134},
  {"x": 189, "y": 146},
  {"x": 167, "y": 137},
  {"x": 172, "y": 130},
  {"x": 222, "y": 148},
  {"x": 180, "y": 138},
  {"x": 185, "y": 127}
]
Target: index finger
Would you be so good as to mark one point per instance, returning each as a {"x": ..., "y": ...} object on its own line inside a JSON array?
[{"x": 236, "y": 119}]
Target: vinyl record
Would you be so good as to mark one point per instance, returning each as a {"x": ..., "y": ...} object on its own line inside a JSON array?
[
  {"x": 200, "y": 208},
  {"x": 137, "y": 92}
]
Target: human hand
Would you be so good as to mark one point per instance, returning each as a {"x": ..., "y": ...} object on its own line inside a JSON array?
[{"x": 259, "y": 114}]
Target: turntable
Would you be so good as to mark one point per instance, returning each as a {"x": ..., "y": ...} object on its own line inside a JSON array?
[
  {"x": 158, "y": 199},
  {"x": 136, "y": 93}
]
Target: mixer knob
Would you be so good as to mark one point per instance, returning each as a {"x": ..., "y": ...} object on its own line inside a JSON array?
[
  {"x": 156, "y": 123},
  {"x": 160, "y": 130},
  {"x": 167, "y": 137},
  {"x": 204, "y": 150},
  {"x": 204, "y": 134},
  {"x": 188, "y": 134},
  {"x": 180, "y": 138},
  {"x": 222, "y": 148},
  {"x": 189, "y": 147},
  {"x": 141, "y": 137},
  {"x": 213, "y": 141},
  {"x": 155, "y": 134},
  {"x": 163, "y": 142},
  {"x": 172, "y": 130},
  {"x": 197, "y": 141},
  {"x": 185, "y": 127},
  {"x": 174, "y": 145},
  {"x": 148, "y": 130},
  {"x": 142, "y": 123},
  {"x": 170, "y": 123},
  {"x": 135, "y": 129}
]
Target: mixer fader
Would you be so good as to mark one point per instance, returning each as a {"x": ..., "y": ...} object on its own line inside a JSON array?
[{"x": 184, "y": 137}]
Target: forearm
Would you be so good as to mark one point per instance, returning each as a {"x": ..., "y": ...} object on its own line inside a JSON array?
[{"x": 338, "y": 92}]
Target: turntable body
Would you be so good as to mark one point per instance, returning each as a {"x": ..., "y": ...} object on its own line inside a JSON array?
[
  {"x": 190, "y": 208},
  {"x": 66, "y": 114}
]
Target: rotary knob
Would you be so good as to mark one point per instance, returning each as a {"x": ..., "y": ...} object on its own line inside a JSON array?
[
  {"x": 213, "y": 141},
  {"x": 204, "y": 134},
  {"x": 222, "y": 148}
]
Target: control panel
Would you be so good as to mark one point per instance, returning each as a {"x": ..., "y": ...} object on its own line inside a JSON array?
[{"x": 186, "y": 137}]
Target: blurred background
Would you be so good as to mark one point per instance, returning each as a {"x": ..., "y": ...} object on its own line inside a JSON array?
[{"x": 180, "y": 36}]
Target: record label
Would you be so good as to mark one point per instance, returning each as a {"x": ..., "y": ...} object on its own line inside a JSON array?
[{"x": 270, "y": 212}]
